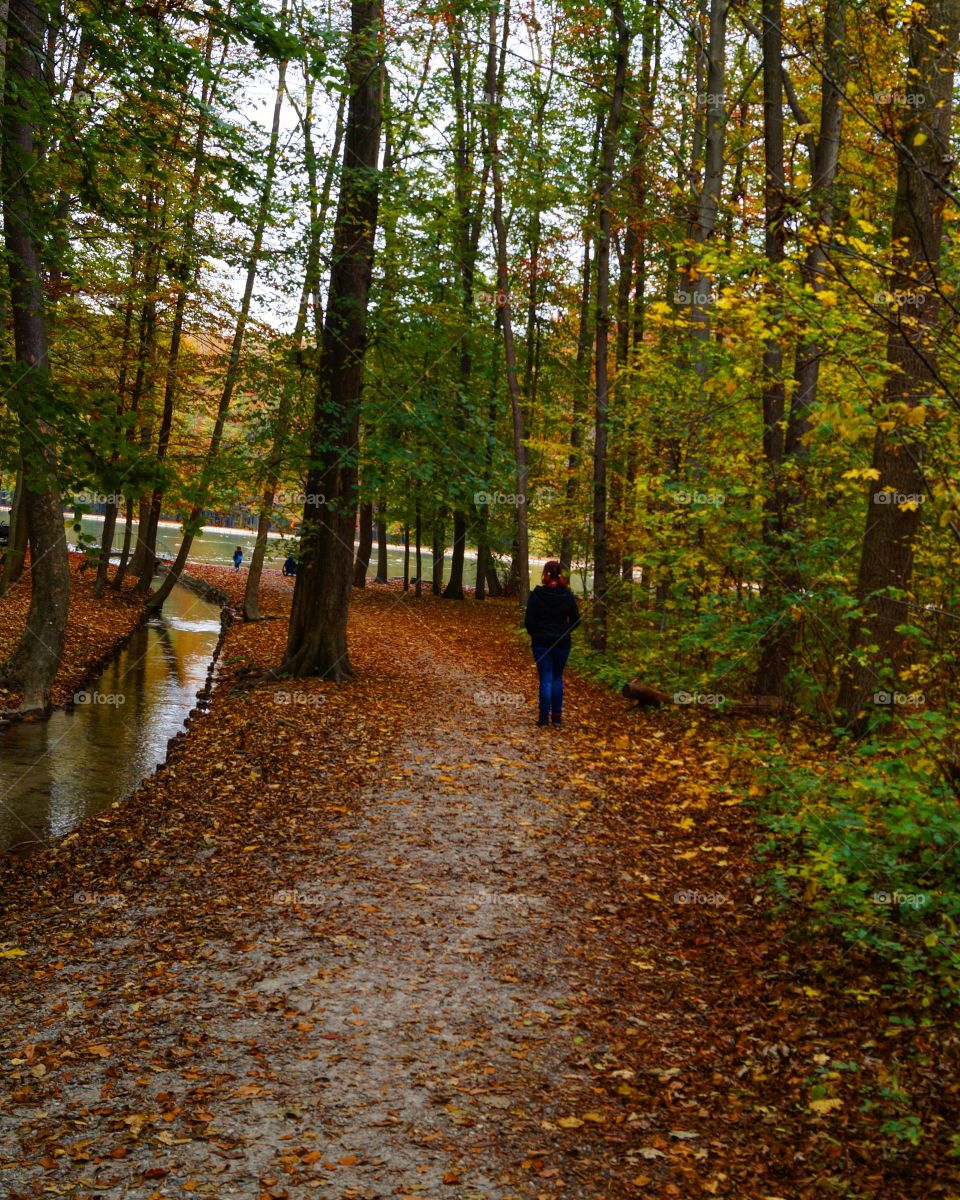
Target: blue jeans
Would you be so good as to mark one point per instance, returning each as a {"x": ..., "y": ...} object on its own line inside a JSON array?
[{"x": 550, "y": 662}]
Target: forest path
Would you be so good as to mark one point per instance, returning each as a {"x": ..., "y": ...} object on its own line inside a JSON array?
[{"x": 389, "y": 939}]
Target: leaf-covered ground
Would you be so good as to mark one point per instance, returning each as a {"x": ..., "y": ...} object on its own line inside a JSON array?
[
  {"x": 95, "y": 629},
  {"x": 391, "y": 940}
]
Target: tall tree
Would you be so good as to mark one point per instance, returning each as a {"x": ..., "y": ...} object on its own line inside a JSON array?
[
  {"x": 317, "y": 635},
  {"x": 786, "y": 497},
  {"x": 925, "y": 158},
  {"x": 494, "y": 96},
  {"x": 232, "y": 374},
  {"x": 36, "y": 659},
  {"x": 608, "y": 158}
]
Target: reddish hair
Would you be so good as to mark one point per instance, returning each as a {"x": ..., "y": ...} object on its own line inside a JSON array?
[{"x": 553, "y": 574}]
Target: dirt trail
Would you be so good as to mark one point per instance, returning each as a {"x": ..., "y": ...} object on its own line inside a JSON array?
[
  {"x": 390, "y": 940},
  {"x": 395, "y": 1018}
]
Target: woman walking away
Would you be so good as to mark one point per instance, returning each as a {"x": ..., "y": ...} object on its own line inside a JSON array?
[{"x": 551, "y": 616}]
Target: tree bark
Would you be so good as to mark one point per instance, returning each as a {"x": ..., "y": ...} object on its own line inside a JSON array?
[
  {"x": 418, "y": 534},
  {"x": 784, "y": 577},
  {"x": 598, "y": 617},
  {"x": 581, "y": 385},
  {"x": 773, "y": 393},
  {"x": 469, "y": 199},
  {"x": 494, "y": 86},
  {"x": 365, "y": 548},
  {"x": 36, "y": 659},
  {"x": 383, "y": 563},
  {"x": 439, "y": 546},
  {"x": 317, "y": 635},
  {"x": 878, "y": 647}
]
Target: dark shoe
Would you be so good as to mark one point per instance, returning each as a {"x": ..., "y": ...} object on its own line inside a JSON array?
[
  {"x": 542, "y": 722},
  {"x": 556, "y": 718}
]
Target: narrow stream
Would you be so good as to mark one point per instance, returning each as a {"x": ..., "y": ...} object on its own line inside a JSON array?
[{"x": 55, "y": 773}]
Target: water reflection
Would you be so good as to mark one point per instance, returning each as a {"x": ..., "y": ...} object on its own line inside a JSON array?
[{"x": 54, "y": 774}]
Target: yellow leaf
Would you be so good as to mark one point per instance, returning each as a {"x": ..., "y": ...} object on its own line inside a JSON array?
[
  {"x": 15, "y": 952},
  {"x": 919, "y": 138},
  {"x": 827, "y": 297},
  {"x": 822, "y": 1107},
  {"x": 596, "y": 1117},
  {"x": 569, "y": 1122}
]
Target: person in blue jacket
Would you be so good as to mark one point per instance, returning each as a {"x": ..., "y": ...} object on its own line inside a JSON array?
[
  {"x": 551, "y": 617},
  {"x": 290, "y": 565},
  {"x": 237, "y": 558}
]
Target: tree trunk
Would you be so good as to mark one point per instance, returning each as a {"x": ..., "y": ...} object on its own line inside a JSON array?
[
  {"x": 878, "y": 647},
  {"x": 779, "y": 641},
  {"x": 454, "y": 588},
  {"x": 233, "y": 362},
  {"x": 185, "y": 274},
  {"x": 365, "y": 549},
  {"x": 494, "y": 86},
  {"x": 439, "y": 546},
  {"x": 17, "y": 540},
  {"x": 581, "y": 384},
  {"x": 383, "y": 564},
  {"x": 773, "y": 395},
  {"x": 598, "y": 623},
  {"x": 469, "y": 199},
  {"x": 36, "y": 659},
  {"x": 317, "y": 636},
  {"x": 125, "y": 550},
  {"x": 418, "y": 534}
]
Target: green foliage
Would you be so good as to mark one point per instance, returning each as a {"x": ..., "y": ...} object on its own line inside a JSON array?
[{"x": 867, "y": 836}]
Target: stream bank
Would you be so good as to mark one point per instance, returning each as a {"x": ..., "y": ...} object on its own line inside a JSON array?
[{"x": 113, "y": 731}]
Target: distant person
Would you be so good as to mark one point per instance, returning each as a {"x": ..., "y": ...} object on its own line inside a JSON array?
[
  {"x": 551, "y": 617},
  {"x": 290, "y": 566},
  {"x": 237, "y": 558}
]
